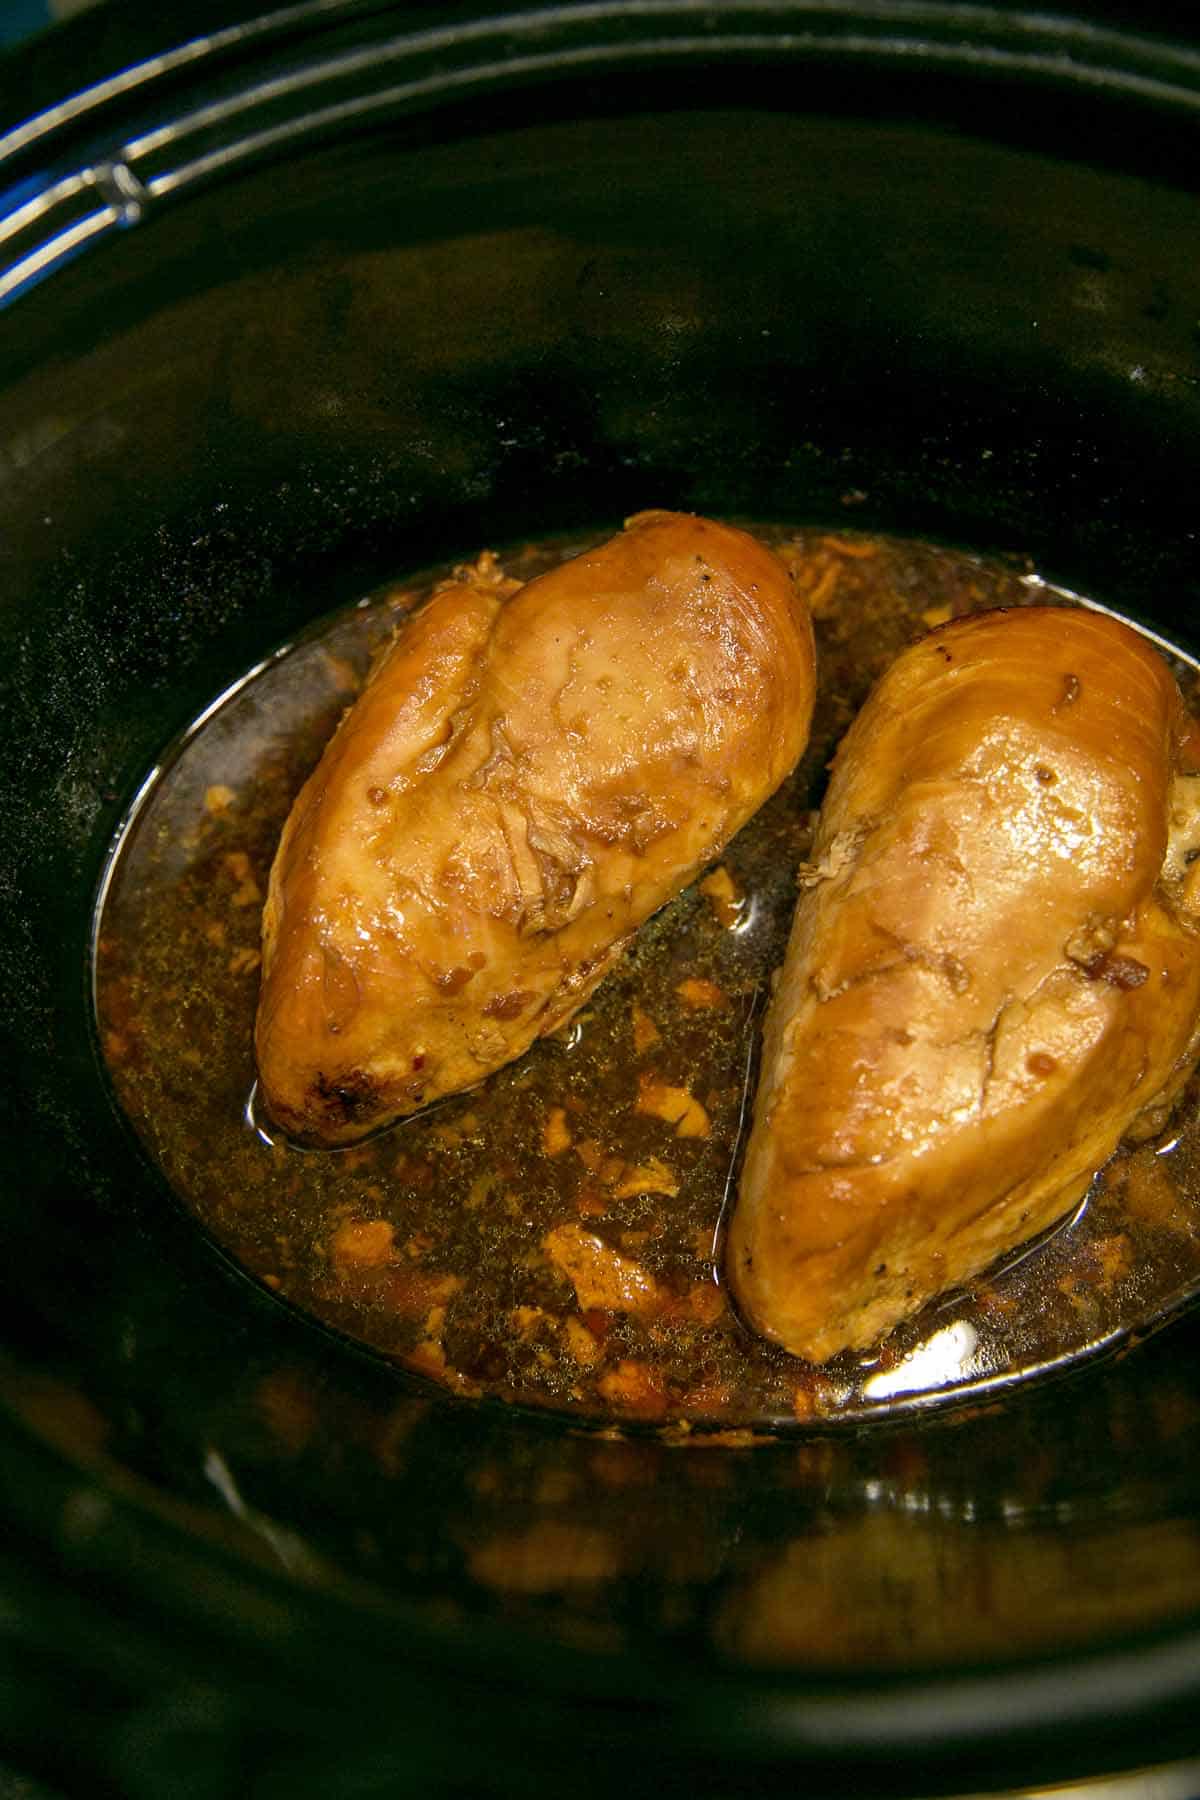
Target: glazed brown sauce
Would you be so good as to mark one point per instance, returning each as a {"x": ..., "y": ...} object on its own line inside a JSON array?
[{"x": 552, "y": 1238}]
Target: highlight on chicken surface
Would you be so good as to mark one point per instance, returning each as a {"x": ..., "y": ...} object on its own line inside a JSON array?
[
  {"x": 993, "y": 973},
  {"x": 526, "y": 778}
]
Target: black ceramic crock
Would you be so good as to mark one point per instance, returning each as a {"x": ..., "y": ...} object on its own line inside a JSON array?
[{"x": 312, "y": 299}]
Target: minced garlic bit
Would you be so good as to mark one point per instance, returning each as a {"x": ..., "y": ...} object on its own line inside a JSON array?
[
  {"x": 529, "y": 1319},
  {"x": 238, "y": 865},
  {"x": 674, "y": 1105},
  {"x": 218, "y": 798},
  {"x": 645, "y": 1032},
  {"x": 650, "y": 1177},
  {"x": 635, "y": 1387},
  {"x": 701, "y": 995},
  {"x": 597, "y": 1161},
  {"x": 363, "y": 1243},
  {"x": 601, "y": 1276},
  {"x": 555, "y": 1135},
  {"x": 724, "y": 896},
  {"x": 704, "y": 1302},
  {"x": 581, "y": 1344}
]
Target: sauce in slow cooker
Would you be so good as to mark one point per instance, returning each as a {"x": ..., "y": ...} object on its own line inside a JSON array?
[{"x": 553, "y": 1237}]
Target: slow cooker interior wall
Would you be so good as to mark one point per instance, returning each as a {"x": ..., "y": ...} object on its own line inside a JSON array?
[{"x": 257, "y": 405}]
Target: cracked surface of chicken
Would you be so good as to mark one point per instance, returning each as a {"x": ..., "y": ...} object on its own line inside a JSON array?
[
  {"x": 993, "y": 973},
  {"x": 526, "y": 778}
]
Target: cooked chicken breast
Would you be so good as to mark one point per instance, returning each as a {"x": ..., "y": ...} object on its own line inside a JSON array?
[
  {"x": 994, "y": 971},
  {"x": 525, "y": 779}
]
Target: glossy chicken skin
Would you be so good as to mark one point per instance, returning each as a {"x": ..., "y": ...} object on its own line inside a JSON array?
[
  {"x": 994, "y": 971},
  {"x": 526, "y": 778}
]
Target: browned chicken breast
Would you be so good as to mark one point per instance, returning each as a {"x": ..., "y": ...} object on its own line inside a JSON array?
[
  {"x": 526, "y": 778},
  {"x": 994, "y": 971}
]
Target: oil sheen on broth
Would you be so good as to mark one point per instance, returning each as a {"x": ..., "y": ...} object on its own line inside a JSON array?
[{"x": 552, "y": 1238}]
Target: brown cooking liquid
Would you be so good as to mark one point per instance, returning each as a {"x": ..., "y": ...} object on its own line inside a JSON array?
[{"x": 553, "y": 1238}]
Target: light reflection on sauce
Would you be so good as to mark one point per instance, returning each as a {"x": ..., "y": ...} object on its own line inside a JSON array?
[{"x": 947, "y": 1356}]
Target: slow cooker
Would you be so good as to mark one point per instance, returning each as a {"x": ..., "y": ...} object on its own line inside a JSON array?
[{"x": 299, "y": 301}]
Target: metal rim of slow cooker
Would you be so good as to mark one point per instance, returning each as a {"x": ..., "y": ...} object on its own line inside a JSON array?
[{"x": 124, "y": 144}]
